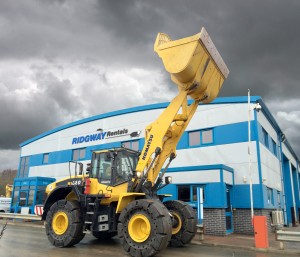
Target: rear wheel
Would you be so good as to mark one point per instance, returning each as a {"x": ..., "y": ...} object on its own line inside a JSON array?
[
  {"x": 144, "y": 228},
  {"x": 184, "y": 222},
  {"x": 64, "y": 223}
]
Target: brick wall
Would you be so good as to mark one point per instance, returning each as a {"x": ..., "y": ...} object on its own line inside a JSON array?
[
  {"x": 214, "y": 222},
  {"x": 242, "y": 223}
]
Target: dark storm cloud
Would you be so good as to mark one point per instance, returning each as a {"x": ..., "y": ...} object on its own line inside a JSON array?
[
  {"x": 258, "y": 39},
  {"x": 27, "y": 112},
  {"x": 110, "y": 44}
]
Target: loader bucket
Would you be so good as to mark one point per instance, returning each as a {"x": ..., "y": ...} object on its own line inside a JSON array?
[{"x": 194, "y": 63}]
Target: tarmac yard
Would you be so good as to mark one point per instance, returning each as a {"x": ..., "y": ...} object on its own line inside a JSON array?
[{"x": 29, "y": 240}]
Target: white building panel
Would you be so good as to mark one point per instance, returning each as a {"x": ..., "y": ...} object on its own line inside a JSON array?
[
  {"x": 289, "y": 155},
  {"x": 232, "y": 155},
  {"x": 270, "y": 167},
  {"x": 267, "y": 125},
  {"x": 62, "y": 140},
  {"x": 57, "y": 171},
  {"x": 227, "y": 177},
  {"x": 202, "y": 176},
  {"x": 208, "y": 116}
]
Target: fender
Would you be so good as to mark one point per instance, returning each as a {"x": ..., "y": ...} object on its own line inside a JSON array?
[
  {"x": 60, "y": 193},
  {"x": 126, "y": 198}
]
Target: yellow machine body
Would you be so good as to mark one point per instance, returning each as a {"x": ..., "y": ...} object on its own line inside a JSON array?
[
  {"x": 199, "y": 71},
  {"x": 126, "y": 202}
]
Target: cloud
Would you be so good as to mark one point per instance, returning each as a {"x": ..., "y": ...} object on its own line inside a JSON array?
[
  {"x": 64, "y": 60},
  {"x": 32, "y": 102},
  {"x": 9, "y": 159},
  {"x": 43, "y": 95},
  {"x": 287, "y": 114}
]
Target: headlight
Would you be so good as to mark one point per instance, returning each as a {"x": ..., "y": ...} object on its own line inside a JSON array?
[
  {"x": 138, "y": 174},
  {"x": 168, "y": 180}
]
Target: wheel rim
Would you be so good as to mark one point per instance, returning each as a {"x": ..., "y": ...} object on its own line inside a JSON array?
[
  {"x": 178, "y": 223},
  {"x": 60, "y": 223},
  {"x": 139, "y": 228}
]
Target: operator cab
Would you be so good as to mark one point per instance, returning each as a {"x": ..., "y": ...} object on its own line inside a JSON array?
[{"x": 113, "y": 167}]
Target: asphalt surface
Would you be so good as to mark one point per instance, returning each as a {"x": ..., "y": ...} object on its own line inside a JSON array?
[{"x": 28, "y": 239}]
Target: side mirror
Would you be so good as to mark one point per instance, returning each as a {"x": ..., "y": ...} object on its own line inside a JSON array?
[
  {"x": 88, "y": 168},
  {"x": 80, "y": 168}
]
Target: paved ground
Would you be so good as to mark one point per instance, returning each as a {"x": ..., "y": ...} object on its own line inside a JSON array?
[
  {"x": 233, "y": 241},
  {"x": 238, "y": 241}
]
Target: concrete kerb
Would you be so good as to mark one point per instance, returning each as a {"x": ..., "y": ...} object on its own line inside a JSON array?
[{"x": 293, "y": 252}]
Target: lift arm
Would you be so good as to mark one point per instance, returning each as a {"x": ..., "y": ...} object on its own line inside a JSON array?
[{"x": 199, "y": 71}]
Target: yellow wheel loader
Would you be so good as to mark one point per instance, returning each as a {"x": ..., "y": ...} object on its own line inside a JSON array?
[{"x": 118, "y": 195}]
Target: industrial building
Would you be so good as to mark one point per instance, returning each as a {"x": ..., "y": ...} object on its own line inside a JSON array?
[{"x": 214, "y": 154}]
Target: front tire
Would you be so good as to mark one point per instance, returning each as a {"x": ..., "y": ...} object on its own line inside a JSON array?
[
  {"x": 144, "y": 228},
  {"x": 184, "y": 225},
  {"x": 64, "y": 223}
]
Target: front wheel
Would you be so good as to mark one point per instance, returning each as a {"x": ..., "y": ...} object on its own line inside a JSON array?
[
  {"x": 144, "y": 228},
  {"x": 184, "y": 222},
  {"x": 64, "y": 223}
]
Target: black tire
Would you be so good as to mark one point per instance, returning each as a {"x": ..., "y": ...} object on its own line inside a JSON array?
[
  {"x": 69, "y": 234},
  {"x": 159, "y": 228},
  {"x": 184, "y": 227},
  {"x": 104, "y": 235}
]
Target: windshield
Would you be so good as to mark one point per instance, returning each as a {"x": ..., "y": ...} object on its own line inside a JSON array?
[
  {"x": 125, "y": 163},
  {"x": 114, "y": 167}
]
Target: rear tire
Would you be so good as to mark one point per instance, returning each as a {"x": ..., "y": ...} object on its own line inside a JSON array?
[
  {"x": 184, "y": 227},
  {"x": 64, "y": 223},
  {"x": 144, "y": 228}
]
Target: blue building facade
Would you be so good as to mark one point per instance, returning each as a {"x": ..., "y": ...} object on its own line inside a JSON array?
[{"x": 213, "y": 154}]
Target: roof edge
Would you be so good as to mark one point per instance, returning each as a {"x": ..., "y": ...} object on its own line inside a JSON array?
[{"x": 219, "y": 100}]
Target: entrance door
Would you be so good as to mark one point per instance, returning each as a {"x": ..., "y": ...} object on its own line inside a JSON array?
[{"x": 228, "y": 211}]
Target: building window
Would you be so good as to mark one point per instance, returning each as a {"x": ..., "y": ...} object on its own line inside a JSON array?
[
  {"x": 184, "y": 193},
  {"x": 265, "y": 137},
  {"x": 46, "y": 158},
  {"x": 24, "y": 167},
  {"x": 188, "y": 193},
  {"x": 279, "y": 199},
  {"x": 270, "y": 196},
  {"x": 78, "y": 154},
  {"x": 274, "y": 148},
  {"x": 194, "y": 138},
  {"x": 134, "y": 145},
  {"x": 207, "y": 136},
  {"x": 201, "y": 137}
]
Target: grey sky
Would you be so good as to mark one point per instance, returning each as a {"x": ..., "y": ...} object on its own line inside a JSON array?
[{"x": 64, "y": 60}]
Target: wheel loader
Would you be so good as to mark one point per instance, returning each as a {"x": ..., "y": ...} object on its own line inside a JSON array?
[{"x": 118, "y": 195}]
